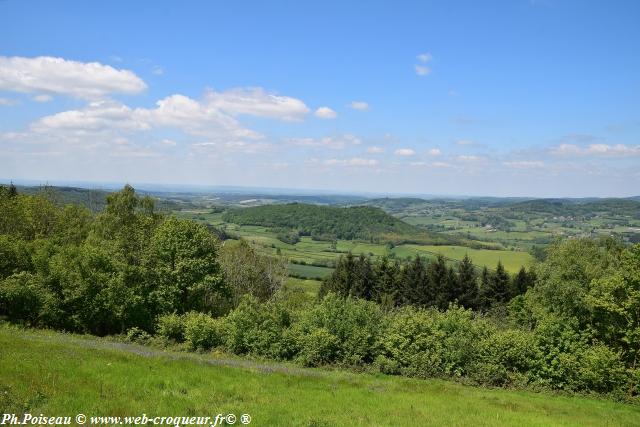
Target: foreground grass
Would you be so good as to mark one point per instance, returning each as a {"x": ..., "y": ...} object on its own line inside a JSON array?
[{"x": 57, "y": 374}]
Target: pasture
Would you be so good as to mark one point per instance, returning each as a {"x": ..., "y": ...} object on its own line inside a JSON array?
[{"x": 60, "y": 374}]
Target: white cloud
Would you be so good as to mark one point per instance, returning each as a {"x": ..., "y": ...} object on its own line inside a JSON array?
[
  {"x": 359, "y": 105},
  {"x": 5, "y": 102},
  {"x": 49, "y": 75},
  {"x": 422, "y": 70},
  {"x": 440, "y": 165},
  {"x": 405, "y": 152},
  {"x": 424, "y": 57},
  {"x": 257, "y": 102},
  {"x": 596, "y": 150},
  {"x": 524, "y": 164},
  {"x": 158, "y": 71},
  {"x": 168, "y": 142},
  {"x": 325, "y": 113},
  {"x": 96, "y": 116},
  {"x": 335, "y": 143},
  {"x": 355, "y": 161},
  {"x": 375, "y": 150},
  {"x": 43, "y": 98},
  {"x": 471, "y": 159},
  {"x": 434, "y": 152}
]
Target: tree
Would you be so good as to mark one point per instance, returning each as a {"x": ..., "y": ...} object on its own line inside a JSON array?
[
  {"x": 183, "y": 259},
  {"x": 414, "y": 287},
  {"x": 522, "y": 281},
  {"x": 467, "y": 286},
  {"x": 364, "y": 281},
  {"x": 499, "y": 284},
  {"x": 438, "y": 292},
  {"x": 342, "y": 278}
]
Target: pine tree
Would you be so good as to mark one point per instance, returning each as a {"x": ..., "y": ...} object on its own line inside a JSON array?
[
  {"x": 521, "y": 282},
  {"x": 467, "y": 285},
  {"x": 363, "y": 280},
  {"x": 485, "y": 297},
  {"x": 413, "y": 282},
  {"x": 437, "y": 292},
  {"x": 500, "y": 284}
]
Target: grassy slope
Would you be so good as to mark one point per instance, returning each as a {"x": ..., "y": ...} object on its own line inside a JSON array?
[{"x": 57, "y": 374}]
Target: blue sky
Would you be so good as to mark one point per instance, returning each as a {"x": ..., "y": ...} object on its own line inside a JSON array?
[{"x": 518, "y": 98}]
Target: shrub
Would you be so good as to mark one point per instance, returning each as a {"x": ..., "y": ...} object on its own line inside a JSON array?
[
  {"x": 356, "y": 324},
  {"x": 137, "y": 335},
  {"x": 427, "y": 343},
  {"x": 506, "y": 357},
  {"x": 171, "y": 326},
  {"x": 24, "y": 298},
  {"x": 259, "y": 329},
  {"x": 318, "y": 347},
  {"x": 202, "y": 332},
  {"x": 601, "y": 370}
]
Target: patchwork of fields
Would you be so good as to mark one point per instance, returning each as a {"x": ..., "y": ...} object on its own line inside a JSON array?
[{"x": 319, "y": 256}]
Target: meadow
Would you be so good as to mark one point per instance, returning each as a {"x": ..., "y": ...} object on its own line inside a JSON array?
[
  {"x": 49, "y": 373},
  {"x": 322, "y": 253}
]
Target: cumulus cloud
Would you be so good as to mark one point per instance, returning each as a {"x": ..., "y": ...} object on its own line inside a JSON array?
[
  {"x": 43, "y": 98},
  {"x": 596, "y": 150},
  {"x": 424, "y": 57},
  {"x": 5, "y": 102},
  {"x": 422, "y": 70},
  {"x": 524, "y": 164},
  {"x": 355, "y": 161},
  {"x": 405, "y": 152},
  {"x": 325, "y": 113},
  {"x": 375, "y": 150},
  {"x": 257, "y": 102},
  {"x": 335, "y": 143},
  {"x": 359, "y": 105},
  {"x": 471, "y": 159},
  {"x": 49, "y": 75},
  {"x": 434, "y": 152}
]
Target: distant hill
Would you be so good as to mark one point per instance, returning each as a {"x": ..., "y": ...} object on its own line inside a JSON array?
[{"x": 329, "y": 222}]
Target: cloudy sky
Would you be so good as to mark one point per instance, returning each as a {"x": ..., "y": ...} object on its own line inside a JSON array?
[{"x": 520, "y": 97}]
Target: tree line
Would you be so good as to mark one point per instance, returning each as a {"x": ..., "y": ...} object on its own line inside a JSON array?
[
  {"x": 66, "y": 268},
  {"x": 424, "y": 283}
]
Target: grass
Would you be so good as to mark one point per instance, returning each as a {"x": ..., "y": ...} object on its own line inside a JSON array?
[
  {"x": 310, "y": 287},
  {"x": 512, "y": 260},
  {"x": 56, "y": 374},
  {"x": 309, "y": 271}
]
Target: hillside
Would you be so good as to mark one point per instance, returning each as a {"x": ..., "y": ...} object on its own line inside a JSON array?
[
  {"x": 60, "y": 374},
  {"x": 328, "y": 222}
]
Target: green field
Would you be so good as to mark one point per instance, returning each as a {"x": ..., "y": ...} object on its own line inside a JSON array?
[
  {"x": 309, "y": 271},
  {"x": 64, "y": 375},
  {"x": 313, "y": 251},
  {"x": 512, "y": 260}
]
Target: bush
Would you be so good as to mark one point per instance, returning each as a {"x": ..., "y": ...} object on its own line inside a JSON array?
[
  {"x": 506, "y": 358},
  {"x": 601, "y": 370},
  {"x": 202, "y": 332},
  {"x": 24, "y": 298},
  {"x": 356, "y": 325},
  {"x": 171, "y": 326},
  {"x": 318, "y": 347},
  {"x": 137, "y": 335},
  {"x": 426, "y": 343},
  {"x": 259, "y": 329}
]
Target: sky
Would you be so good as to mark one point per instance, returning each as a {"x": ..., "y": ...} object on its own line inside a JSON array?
[{"x": 489, "y": 98}]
